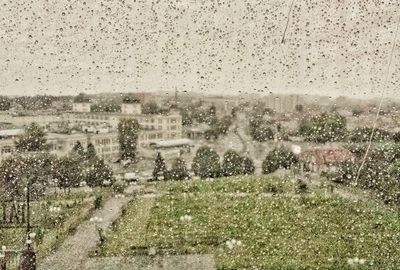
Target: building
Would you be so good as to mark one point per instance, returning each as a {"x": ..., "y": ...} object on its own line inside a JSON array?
[
  {"x": 325, "y": 159},
  {"x": 153, "y": 127},
  {"x": 98, "y": 128},
  {"x": 131, "y": 108},
  {"x": 20, "y": 121},
  {"x": 105, "y": 144},
  {"x": 197, "y": 132},
  {"x": 81, "y": 106}
]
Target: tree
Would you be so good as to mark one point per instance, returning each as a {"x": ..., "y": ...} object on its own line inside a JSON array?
[
  {"x": 68, "y": 171},
  {"x": 128, "y": 130},
  {"x": 108, "y": 106},
  {"x": 150, "y": 108},
  {"x": 324, "y": 128},
  {"x": 160, "y": 168},
  {"x": 232, "y": 164},
  {"x": 222, "y": 125},
  {"x": 81, "y": 98},
  {"x": 99, "y": 173},
  {"x": 248, "y": 167},
  {"x": 15, "y": 173},
  {"x": 279, "y": 158},
  {"x": 78, "y": 149},
  {"x": 364, "y": 135},
  {"x": 5, "y": 103},
  {"x": 130, "y": 98},
  {"x": 179, "y": 170},
  {"x": 299, "y": 108},
  {"x": 32, "y": 140},
  {"x": 206, "y": 163},
  {"x": 90, "y": 152},
  {"x": 259, "y": 129}
]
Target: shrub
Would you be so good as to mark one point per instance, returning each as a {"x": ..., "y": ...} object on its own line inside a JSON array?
[
  {"x": 98, "y": 202},
  {"x": 119, "y": 186},
  {"x": 279, "y": 158}
]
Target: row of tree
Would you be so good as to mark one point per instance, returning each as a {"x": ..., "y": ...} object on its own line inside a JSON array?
[
  {"x": 42, "y": 169},
  {"x": 380, "y": 172},
  {"x": 206, "y": 164},
  {"x": 332, "y": 127}
]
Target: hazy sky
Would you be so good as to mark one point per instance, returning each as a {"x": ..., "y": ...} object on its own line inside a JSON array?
[{"x": 214, "y": 46}]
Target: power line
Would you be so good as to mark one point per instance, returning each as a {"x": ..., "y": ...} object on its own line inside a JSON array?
[
  {"x": 380, "y": 103},
  {"x": 287, "y": 22}
]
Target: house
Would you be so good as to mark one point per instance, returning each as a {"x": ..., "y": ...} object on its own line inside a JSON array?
[
  {"x": 197, "y": 132},
  {"x": 325, "y": 158}
]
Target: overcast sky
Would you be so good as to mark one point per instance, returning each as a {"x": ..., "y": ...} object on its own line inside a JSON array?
[{"x": 211, "y": 46}]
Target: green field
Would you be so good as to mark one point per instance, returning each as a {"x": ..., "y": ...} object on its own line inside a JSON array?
[{"x": 276, "y": 232}]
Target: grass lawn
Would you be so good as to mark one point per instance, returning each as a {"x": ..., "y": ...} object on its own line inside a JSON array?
[
  {"x": 276, "y": 232},
  {"x": 53, "y": 217},
  {"x": 235, "y": 184}
]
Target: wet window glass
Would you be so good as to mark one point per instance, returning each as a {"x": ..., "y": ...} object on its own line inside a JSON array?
[{"x": 199, "y": 134}]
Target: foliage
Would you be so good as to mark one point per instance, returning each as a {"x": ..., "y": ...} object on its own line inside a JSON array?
[
  {"x": 81, "y": 98},
  {"x": 78, "y": 149},
  {"x": 151, "y": 108},
  {"x": 130, "y": 98},
  {"x": 128, "y": 132},
  {"x": 327, "y": 127},
  {"x": 160, "y": 168},
  {"x": 379, "y": 173},
  {"x": 248, "y": 167},
  {"x": 119, "y": 186},
  {"x": 90, "y": 152},
  {"x": 260, "y": 131},
  {"x": 5, "y": 103},
  {"x": 68, "y": 171},
  {"x": 98, "y": 202},
  {"x": 259, "y": 127},
  {"x": 32, "y": 140},
  {"x": 279, "y": 158},
  {"x": 105, "y": 107},
  {"x": 232, "y": 164},
  {"x": 299, "y": 108},
  {"x": 38, "y": 102},
  {"x": 364, "y": 135},
  {"x": 15, "y": 173},
  {"x": 99, "y": 173},
  {"x": 179, "y": 170},
  {"x": 206, "y": 163}
]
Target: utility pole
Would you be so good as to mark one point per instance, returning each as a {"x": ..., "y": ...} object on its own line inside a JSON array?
[
  {"x": 28, "y": 256},
  {"x": 28, "y": 211}
]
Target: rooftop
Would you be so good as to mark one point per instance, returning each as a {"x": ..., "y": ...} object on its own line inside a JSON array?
[
  {"x": 11, "y": 132},
  {"x": 172, "y": 143}
]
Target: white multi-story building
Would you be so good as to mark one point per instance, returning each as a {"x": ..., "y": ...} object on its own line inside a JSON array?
[
  {"x": 154, "y": 128},
  {"x": 81, "y": 106},
  {"x": 131, "y": 108}
]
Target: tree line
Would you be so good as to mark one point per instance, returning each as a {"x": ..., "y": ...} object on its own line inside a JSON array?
[{"x": 206, "y": 164}]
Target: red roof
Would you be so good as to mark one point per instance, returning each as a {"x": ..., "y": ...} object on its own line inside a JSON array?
[{"x": 330, "y": 156}]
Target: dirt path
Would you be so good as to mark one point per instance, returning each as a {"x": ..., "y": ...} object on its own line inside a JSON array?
[{"x": 73, "y": 252}]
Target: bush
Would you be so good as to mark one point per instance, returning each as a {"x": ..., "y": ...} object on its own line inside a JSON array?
[
  {"x": 119, "y": 186},
  {"x": 179, "y": 170},
  {"x": 279, "y": 158},
  {"x": 98, "y": 202},
  {"x": 206, "y": 163},
  {"x": 301, "y": 187}
]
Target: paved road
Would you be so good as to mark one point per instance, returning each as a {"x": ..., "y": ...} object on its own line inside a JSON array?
[{"x": 73, "y": 252}]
